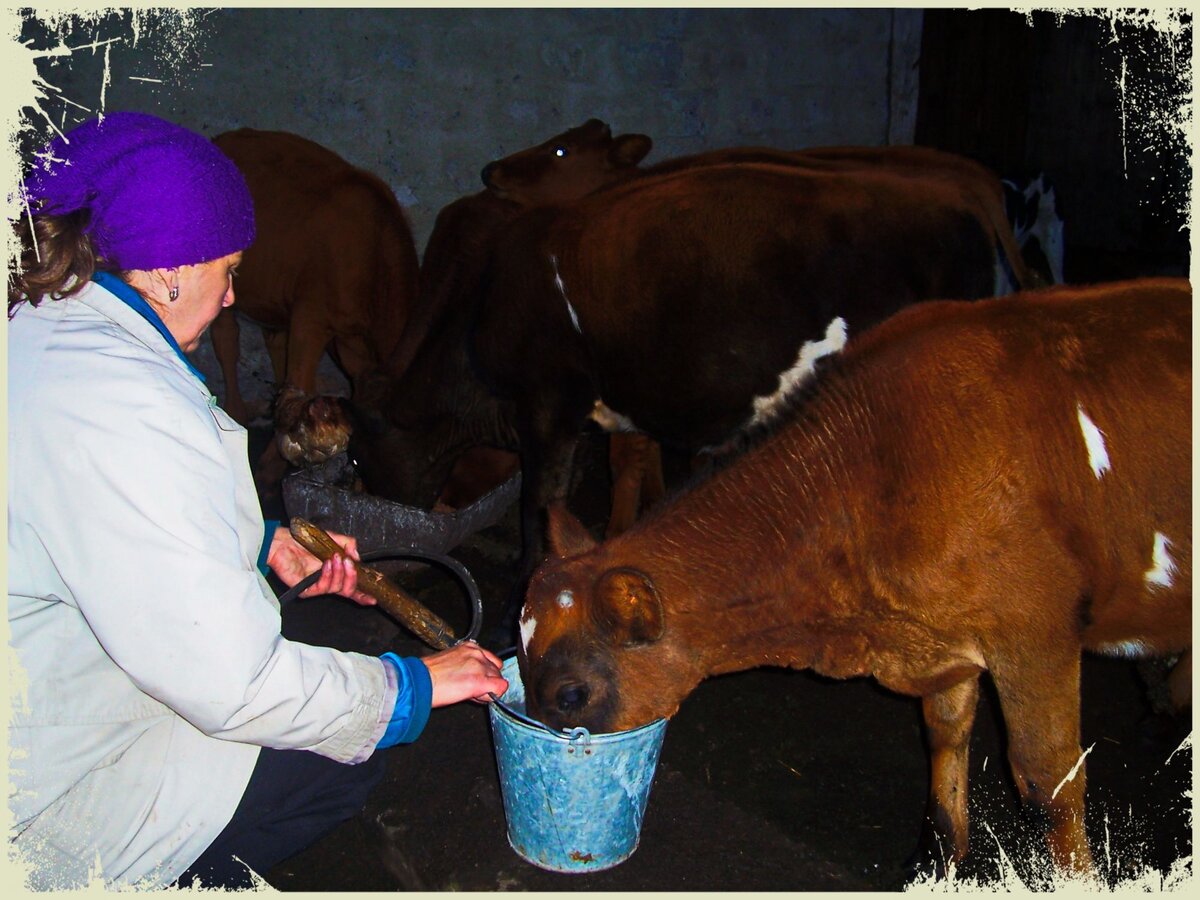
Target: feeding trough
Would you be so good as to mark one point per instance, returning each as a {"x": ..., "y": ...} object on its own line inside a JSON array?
[
  {"x": 574, "y": 801},
  {"x": 318, "y": 494}
]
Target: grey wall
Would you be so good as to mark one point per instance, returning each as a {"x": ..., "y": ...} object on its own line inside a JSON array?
[{"x": 424, "y": 98}]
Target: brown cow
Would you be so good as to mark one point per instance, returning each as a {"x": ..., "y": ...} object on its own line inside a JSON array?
[
  {"x": 991, "y": 486},
  {"x": 334, "y": 266},
  {"x": 453, "y": 271},
  {"x": 545, "y": 174},
  {"x": 689, "y": 304}
]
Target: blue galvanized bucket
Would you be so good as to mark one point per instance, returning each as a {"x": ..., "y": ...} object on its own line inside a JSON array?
[{"x": 574, "y": 801}]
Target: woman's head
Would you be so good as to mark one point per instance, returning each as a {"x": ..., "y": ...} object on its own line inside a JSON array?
[
  {"x": 140, "y": 195},
  {"x": 158, "y": 194}
]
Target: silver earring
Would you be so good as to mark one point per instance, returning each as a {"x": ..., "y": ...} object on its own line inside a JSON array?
[{"x": 173, "y": 294}]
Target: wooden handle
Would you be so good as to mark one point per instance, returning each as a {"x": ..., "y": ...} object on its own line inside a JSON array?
[{"x": 395, "y": 602}]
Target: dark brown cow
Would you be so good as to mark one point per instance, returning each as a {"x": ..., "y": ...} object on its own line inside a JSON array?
[
  {"x": 452, "y": 271},
  {"x": 992, "y": 486},
  {"x": 688, "y": 304},
  {"x": 334, "y": 266},
  {"x": 553, "y": 171},
  {"x": 547, "y": 172}
]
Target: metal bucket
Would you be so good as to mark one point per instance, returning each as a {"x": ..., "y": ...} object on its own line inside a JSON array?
[{"x": 573, "y": 801}]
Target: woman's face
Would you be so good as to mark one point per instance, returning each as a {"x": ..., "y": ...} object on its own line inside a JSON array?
[{"x": 204, "y": 290}]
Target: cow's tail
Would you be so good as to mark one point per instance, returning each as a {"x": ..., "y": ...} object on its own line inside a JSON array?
[{"x": 1012, "y": 272}]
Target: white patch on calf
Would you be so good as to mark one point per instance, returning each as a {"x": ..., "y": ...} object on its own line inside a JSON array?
[
  {"x": 562, "y": 289},
  {"x": 528, "y": 626},
  {"x": 1127, "y": 649},
  {"x": 766, "y": 408},
  {"x": 1162, "y": 573},
  {"x": 566, "y": 599},
  {"x": 1093, "y": 438}
]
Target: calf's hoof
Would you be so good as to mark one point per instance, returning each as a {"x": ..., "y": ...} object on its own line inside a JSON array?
[{"x": 314, "y": 432}]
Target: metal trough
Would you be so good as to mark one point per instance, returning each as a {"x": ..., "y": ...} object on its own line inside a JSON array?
[{"x": 315, "y": 493}]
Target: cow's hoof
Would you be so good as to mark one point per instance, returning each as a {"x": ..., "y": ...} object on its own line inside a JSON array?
[{"x": 316, "y": 432}]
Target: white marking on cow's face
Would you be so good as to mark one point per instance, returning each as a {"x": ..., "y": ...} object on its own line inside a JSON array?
[
  {"x": 528, "y": 626},
  {"x": 609, "y": 419},
  {"x": 1127, "y": 649},
  {"x": 766, "y": 408},
  {"x": 1162, "y": 573},
  {"x": 1094, "y": 439},
  {"x": 562, "y": 289},
  {"x": 566, "y": 599}
]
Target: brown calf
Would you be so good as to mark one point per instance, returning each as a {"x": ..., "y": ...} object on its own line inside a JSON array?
[
  {"x": 334, "y": 266},
  {"x": 990, "y": 486}
]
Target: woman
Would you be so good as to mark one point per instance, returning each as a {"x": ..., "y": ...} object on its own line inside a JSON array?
[{"x": 159, "y": 732}]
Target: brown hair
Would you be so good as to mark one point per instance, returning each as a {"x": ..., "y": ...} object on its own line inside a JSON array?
[{"x": 57, "y": 258}]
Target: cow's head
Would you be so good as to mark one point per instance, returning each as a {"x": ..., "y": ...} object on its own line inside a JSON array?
[
  {"x": 405, "y": 465},
  {"x": 567, "y": 166},
  {"x": 596, "y": 645}
]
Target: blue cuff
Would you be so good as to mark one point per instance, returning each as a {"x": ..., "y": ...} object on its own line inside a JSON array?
[
  {"x": 414, "y": 699},
  {"x": 269, "y": 527}
]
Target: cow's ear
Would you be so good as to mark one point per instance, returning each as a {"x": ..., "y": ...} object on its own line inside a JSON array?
[
  {"x": 568, "y": 536},
  {"x": 628, "y": 608},
  {"x": 629, "y": 149}
]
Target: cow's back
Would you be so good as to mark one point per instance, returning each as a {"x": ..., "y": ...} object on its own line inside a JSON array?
[
  {"x": 693, "y": 292},
  {"x": 1061, "y": 417},
  {"x": 326, "y": 224}
]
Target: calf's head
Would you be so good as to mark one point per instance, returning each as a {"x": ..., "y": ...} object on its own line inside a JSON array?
[
  {"x": 567, "y": 166},
  {"x": 597, "y": 648}
]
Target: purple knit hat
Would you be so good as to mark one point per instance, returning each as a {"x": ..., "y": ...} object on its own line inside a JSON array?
[{"x": 159, "y": 194}]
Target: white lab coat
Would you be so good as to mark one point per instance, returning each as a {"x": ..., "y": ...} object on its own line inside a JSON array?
[{"x": 147, "y": 660}]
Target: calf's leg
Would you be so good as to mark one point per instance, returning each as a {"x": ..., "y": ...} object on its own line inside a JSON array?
[
  {"x": 949, "y": 716},
  {"x": 1040, "y": 702}
]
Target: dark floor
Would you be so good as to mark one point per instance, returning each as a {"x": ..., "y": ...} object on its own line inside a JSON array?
[{"x": 768, "y": 780}]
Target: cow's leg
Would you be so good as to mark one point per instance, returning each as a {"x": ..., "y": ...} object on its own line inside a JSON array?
[
  {"x": 1039, "y": 696},
  {"x": 271, "y": 466},
  {"x": 225, "y": 334},
  {"x": 311, "y": 429},
  {"x": 547, "y": 457},
  {"x": 653, "y": 484},
  {"x": 1179, "y": 683},
  {"x": 636, "y": 464},
  {"x": 627, "y": 463},
  {"x": 277, "y": 348},
  {"x": 949, "y": 717}
]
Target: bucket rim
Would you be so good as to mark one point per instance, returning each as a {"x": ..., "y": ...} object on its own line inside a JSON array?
[{"x": 603, "y": 737}]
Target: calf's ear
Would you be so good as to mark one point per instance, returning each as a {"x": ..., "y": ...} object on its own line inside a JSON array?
[
  {"x": 629, "y": 149},
  {"x": 628, "y": 608},
  {"x": 568, "y": 536}
]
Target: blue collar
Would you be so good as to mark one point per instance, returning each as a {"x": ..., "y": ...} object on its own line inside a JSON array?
[{"x": 136, "y": 302}]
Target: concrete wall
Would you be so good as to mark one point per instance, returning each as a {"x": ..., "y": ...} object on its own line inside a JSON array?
[{"x": 425, "y": 98}]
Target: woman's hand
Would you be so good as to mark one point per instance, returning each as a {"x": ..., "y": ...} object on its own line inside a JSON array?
[
  {"x": 292, "y": 563},
  {"x": 464, "y": 672}
]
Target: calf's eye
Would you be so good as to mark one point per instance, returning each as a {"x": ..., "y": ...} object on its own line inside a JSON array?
[{"x": 572, "y": 697}]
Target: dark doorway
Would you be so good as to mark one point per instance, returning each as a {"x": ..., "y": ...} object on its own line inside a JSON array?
[{"x": 1043, "y": 93}]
